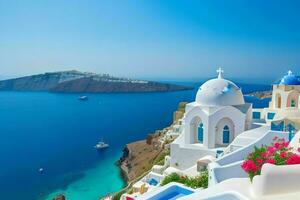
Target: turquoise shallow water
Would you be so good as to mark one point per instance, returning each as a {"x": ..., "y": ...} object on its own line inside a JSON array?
[
  {"x": 58, "y": 132},
  {"x": 94, "y": 183}
]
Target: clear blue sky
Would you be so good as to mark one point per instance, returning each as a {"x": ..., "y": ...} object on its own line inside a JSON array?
[{"x": 172, "y": 39}]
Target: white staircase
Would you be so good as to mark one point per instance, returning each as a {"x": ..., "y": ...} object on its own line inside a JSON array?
[{"x": 246, "y": 138}]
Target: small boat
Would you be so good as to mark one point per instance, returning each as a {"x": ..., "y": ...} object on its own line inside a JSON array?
[
  {"x": 83, "y": 98},
  {"x": 101, "y": 145},
  {"x": 41, "y": 170}
]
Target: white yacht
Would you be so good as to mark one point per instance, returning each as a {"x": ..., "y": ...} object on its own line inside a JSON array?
[
  {"x": 41, "y": 170},
  {"x": 101, "y": 145},
  {"x": 83, "y": 98}
]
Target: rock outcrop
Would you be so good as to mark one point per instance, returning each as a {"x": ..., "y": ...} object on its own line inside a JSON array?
[
  {"x": 138, "y": 157},
  {"x": 60, "y": 197},
  {"x": 75, "y": 81}
]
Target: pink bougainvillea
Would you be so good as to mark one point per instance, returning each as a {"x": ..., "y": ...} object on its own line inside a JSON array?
[
  {"x": 293, "y": 159},
  {"x": 270, "y": 161},
  {"x": 278, "y": 153},
  {"x": 249, "y": 166}
]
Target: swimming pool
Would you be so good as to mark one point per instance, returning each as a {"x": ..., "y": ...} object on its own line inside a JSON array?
[
  {"x": 171, "y": 193},
  {"x": 152, "y": 181}
]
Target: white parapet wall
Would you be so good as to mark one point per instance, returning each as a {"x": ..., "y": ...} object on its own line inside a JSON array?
[
  {"x": 220, "y": 173},
  {"x": 227, "y": 196},
  {"x": 277, "y": 180},
  {"x": 185, "y": 156},
  {"x": 161, "y": 168},
  {"x": 229, "y": 166}
]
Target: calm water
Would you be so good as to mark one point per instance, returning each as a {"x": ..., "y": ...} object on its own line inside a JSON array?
[{"x": 58, "y": 132}]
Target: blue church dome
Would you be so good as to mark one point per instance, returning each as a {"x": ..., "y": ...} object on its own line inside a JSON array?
[{"x": 290, "y": 79}]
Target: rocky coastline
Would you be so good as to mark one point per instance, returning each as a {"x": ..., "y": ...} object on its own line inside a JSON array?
[
  {"x": 140, "y": 156},
  {"x": 60, "y": 197}
]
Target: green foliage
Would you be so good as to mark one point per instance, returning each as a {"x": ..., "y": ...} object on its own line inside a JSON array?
[
  {"x": 160, "y": 159},
  {"x": 173, "y": 178},
  {"x": 130, "y": 191},
  {"x": 257, "y": 152},
  {"x": 194, "y": 182},
  {"x": 168, "y": 141},
  {"x": 118, "y": 195}
]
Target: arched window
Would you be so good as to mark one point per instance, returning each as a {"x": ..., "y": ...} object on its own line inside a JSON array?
[
  {"x": 200, "y": 132},
  {"x": 226, "y": 134},
  {"x": 293, "y": 103}
]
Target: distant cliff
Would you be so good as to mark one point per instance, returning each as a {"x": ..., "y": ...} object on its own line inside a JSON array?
[
  {"x": 261, "y": 94},
  {"x": 75, "y": 81}
]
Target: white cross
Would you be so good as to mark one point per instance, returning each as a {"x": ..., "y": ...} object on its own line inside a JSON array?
[
  {"x": 220, "y": 72},
  {"x": 290, "y": 72}
]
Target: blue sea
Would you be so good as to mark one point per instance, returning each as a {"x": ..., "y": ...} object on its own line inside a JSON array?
[{"x": 57, "y": 132}]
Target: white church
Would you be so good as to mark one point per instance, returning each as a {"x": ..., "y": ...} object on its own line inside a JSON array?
[{"x": 210, "y": 123}]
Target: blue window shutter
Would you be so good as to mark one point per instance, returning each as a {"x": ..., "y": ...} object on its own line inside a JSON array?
[
  {"x": 256, "y": 115},
  {"x": 200, "y": 132},
  {"x": 271, "y": 115}
]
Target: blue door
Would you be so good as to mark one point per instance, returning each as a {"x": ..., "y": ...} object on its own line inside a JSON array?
[
  {"x": 291, "y": 129},
  {"x": 226, "y": 134},
  {"x": 200, "y": 132}
]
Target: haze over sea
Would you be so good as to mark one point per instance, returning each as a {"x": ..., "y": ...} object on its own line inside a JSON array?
[{"x": 58, "y": 132}]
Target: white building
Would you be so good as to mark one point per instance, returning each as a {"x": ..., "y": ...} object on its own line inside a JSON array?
[
  {"x": 283, "y": 113},
  {"x": 210, "y": 123}
]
